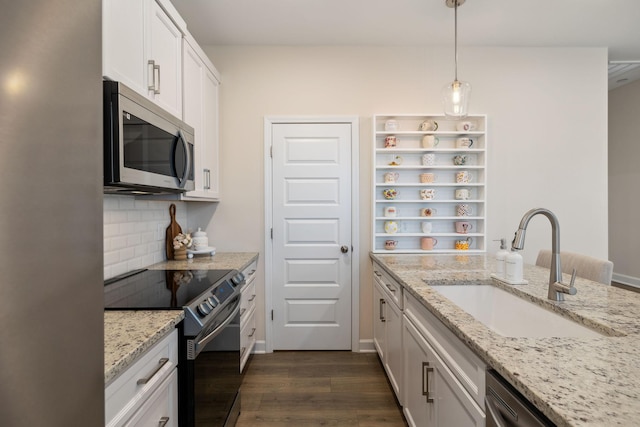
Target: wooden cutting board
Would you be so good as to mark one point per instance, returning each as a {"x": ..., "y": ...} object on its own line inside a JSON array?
[{"x": 172, "y": 231}]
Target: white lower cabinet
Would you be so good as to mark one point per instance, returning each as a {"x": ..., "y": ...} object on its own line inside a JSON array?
[
  {"x": 433, "y": 396},
  {"x": 146, "y": 393},
  {"x": 248, "y": 314},
  {"x": 388, "y": 328}
]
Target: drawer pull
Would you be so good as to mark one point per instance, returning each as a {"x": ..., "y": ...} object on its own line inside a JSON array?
[
  {"x": 242, "y": 311},
  {"x": 252, "y": 298},
  {"x": 242, "y": 351},
  {"x": 425, "y": 381},
  {"x": 377, "y": 273},
  {"x": 253, "y": 331},
  {"x": 159, "y": 366},
  {"x": 382, "y": 302},
  {"x": 163, "y": 421},
  {"x": 392, "y": 289}
]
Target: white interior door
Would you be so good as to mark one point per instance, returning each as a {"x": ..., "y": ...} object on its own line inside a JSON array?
[{"x": 311, "y": 264}]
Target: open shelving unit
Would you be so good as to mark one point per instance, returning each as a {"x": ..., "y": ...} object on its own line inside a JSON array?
[{"x": 409, "y": 203}]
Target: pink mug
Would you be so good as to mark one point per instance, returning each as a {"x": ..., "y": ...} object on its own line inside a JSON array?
[{"x": 427, "y": 243}]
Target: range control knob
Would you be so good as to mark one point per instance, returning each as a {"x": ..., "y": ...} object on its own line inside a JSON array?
[
  {"x": 237, "y": 279},
  {"x": 204, "y": 308},
  {"x": 212, "y": 301}
]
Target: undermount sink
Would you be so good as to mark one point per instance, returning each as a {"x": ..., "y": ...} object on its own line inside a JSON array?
[{"x": 511, "y": 316}]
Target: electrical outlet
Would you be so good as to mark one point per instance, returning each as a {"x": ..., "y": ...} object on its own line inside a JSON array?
[{"x": 160, "y": 232}]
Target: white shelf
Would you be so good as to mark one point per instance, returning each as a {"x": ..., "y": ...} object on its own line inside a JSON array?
[{"x": 408, "y": 204}]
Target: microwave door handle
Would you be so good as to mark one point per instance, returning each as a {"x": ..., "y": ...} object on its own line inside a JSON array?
[{"x": 182, "y": 181}]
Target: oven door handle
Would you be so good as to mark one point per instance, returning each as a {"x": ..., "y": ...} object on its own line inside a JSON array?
[{"x": 211, "y": 335}]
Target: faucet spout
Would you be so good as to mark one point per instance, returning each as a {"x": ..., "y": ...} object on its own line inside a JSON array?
[{"x": 557, "y": 289}]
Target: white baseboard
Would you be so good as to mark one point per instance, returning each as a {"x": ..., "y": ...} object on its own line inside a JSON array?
[
  {"x": 260, "y": 347},
  {"x": 626, "y": 280},
  {"x": 366, "y": 346}
]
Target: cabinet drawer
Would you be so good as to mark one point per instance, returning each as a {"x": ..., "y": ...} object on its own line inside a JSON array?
[
  {"x": 247, "y": 301},
  {"x": 124, "y": 395},
  {"x": 247, "y": 338},
  {"x": 250, "y": 272},
  {"x": 161, "y": 409},
  {"x": 468, "y": 368},
  {"x": 391, "y": 288}
]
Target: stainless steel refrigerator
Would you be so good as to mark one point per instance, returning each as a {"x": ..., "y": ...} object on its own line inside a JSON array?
[{"x": 51, "y": 268}]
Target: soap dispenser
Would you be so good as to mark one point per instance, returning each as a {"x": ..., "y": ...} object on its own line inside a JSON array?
[
  {"x": 501, "y": 256},
  {"x": 513, "y": 267}
]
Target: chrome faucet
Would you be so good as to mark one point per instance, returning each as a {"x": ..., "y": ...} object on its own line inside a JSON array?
[{"x": 557, "y": 289}]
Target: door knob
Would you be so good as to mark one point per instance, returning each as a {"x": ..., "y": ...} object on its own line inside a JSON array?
[{"x": 344, "y": 249}]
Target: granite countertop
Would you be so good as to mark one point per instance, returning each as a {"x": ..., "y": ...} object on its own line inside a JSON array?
[
  {"x": 574, "y": 381},
  {"x": 129, "y": 333},
  {"x": 220, "y": 261}
]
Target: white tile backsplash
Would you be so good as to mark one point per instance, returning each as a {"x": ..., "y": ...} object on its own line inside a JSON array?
[{"x": 131, "y": 238}]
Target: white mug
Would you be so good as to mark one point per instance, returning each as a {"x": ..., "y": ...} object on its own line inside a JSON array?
[
  {"x": 426, "y": 227},
  {"x": 428, "y": 194},
  {"x": 391, "y": 177},
  {"x": 390, "y": 211},
  {"x": 464, "y": 142},
  {"x": 430, "y": 141},
  {"x": 463, "y": 227},
  {"x": 428, "y": 159},
  {"x": 463, "y": 177},
  {"x": 463, "y": 210},
  {"x": 428, "y": 211},
  {"x": 462, "y": 194},
  {"x": 465, "y": 126},
  {"x": 391, "y": 125},
  {"x": 390, "y": 227},
  {"x": 429, "y": 125},
  {"x": 428, "y": 177}
]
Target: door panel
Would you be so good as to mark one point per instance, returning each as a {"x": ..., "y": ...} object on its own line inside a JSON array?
[{"x": 311, "y": 222}]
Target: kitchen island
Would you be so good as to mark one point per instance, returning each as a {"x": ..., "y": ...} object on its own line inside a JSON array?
[{"x": 573, "y": 381}]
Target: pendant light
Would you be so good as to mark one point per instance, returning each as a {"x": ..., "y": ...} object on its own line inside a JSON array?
[{"x": 455, "y": 96}]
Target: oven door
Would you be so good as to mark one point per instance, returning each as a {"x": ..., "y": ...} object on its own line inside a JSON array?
[{"x": 212, "y": 376}]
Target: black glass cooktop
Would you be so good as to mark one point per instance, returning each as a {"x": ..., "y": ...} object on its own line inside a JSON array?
[{"x": 160, "y": 289}]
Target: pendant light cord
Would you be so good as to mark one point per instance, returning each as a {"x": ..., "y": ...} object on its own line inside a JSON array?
[{"x": 455, "y": 38}]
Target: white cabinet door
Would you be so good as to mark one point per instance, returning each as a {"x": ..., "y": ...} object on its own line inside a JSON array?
[
  {"x": 379, "y": 329},
  {"x": 393, "y": 357},
  {"x": 123, "y": 43},
  {"x": 200, "y": 96},
  {"x": 164, "y": 60},
  {"x": 433, "y": 396}
]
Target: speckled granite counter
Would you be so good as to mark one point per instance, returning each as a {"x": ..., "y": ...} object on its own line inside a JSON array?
[
  {"x": 574, "y": 381},
  {"x": 220, "y": 261},
  {"x": 128, "y": 334}
]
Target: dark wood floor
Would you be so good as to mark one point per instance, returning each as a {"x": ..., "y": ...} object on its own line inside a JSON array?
[{"x": 317, "y": 388}]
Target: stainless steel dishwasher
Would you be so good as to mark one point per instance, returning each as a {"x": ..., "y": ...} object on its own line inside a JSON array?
[{"x": 506, "y": 407}]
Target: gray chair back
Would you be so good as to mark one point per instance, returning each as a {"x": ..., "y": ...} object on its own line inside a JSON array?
[{"x": 586, "y": 267}]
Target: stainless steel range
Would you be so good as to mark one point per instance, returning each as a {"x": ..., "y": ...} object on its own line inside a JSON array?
[{"x": 209, "y": 364}]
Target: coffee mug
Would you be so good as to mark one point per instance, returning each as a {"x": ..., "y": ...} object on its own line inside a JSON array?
[
  {"x": 428, "y": 211},
  {"x": 390, "y": 211},
  {"x": 465, "y": 126},
  {"x": 391, "y": 125},
  {"x": 464, "y": 142},
  {"x": 428, "y": 177},
  {"x": 390, "y": 244},
  {"x": 428, "y": 159},
  {"x": 463, "y": 177},
  {"x": 389, "y": 193},
  {"x": 428, "y": 243},
  {"x": 397, "y": 161},
  {"x": 390, "y": 141},
  {"x": 429, "y": 125},
  {"x": 459, "y": 160},
  {"x": 463, "y": 227},
  {"x": 428, "y": 194},
  {"x": 390, "y": 227},
  {"x": 463, "y": 210},
  {"x": 462, "y": 194},
  {"x": 426, "y": 227},
  {"x": 391, "y": 177},
  {"x": 430, "y": 141},
  {"x": 463, "y": 245}
]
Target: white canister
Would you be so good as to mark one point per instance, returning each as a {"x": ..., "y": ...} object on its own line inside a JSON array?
[{"x": 200, "y": 240}]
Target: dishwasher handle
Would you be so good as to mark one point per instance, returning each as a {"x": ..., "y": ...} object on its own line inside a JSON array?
[{"x": 493, "y": 412}]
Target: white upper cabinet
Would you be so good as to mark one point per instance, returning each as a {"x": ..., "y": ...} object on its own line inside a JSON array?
[
  {"x": 200, "y": 90},
  {"x": 142, "y": 48}
]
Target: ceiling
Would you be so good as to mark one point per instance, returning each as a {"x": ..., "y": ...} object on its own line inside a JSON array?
[{"x": 543, "y": 23}]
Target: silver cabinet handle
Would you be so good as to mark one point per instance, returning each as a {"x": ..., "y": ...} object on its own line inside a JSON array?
[
  {"x": 242, "y": 311},
  {"x": 377, "y": 273},
  {"x": 242, "y": 351},
  {"x": 390, "y": 288},
  {"x": 252, "y": 298},
  {"x": 157, "y": 85},
  {"x": 163, "y": 421},
  {"x": 382, "y": 302},
  {"x": 253, "y": 331},
  {"x": 159, "y": 366},
  {"x": 425, "y": 381},
  {"x": 152, "y": 85},
  {"x": 207, "y": 179}
]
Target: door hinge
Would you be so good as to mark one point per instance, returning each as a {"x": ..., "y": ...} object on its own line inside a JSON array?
[
  {"x": 271, "y": 151},
  {"x": 272, "y": 234},
  {"x": 271, "y": 315}
]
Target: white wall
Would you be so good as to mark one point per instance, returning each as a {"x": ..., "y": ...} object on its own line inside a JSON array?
[
  {"x": 131, "y": 238},
  {"x": 547, "y": 136},
  {"x": 624, "y": 181}
]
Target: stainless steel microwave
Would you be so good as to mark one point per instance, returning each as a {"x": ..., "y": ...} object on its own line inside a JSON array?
[{"x": 146, "y": 149}]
